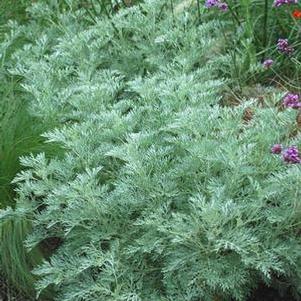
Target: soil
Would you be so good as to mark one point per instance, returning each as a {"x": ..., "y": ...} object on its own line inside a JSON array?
[{"x": 264, "y": 293}]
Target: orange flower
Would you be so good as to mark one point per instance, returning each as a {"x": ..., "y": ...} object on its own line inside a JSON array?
[{"x": 296, "y": 14}]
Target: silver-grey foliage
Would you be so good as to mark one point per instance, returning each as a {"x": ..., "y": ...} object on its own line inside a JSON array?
[{"x": 162, "y": 194}]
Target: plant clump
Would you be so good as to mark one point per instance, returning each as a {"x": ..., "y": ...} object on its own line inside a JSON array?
[{"x": 162, "y": 193}]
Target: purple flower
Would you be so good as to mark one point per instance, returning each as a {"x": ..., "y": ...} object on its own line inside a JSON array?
[
  {"x": 282, "y": 44},
  {"x": 223, "y": 6},
  {"x": 211, "y": 3},
  {"x": 284, "y": 47},
  {"x": 291, "y": 155},
  {"x": 291, "y": 100},
  {"x": 216, "y": 3},
  {"x": 278, "y": 3},
  {"x": 276, "y": 149},
  {"x": 267, "y": 63}
]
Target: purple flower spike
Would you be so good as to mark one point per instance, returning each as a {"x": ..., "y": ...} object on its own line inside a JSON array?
[
  {"x": 276, "y": 149},
  {"x": 284, "y": 47},
  {"x": 291, "y": 100},
  {"x": 267, "y": 63},
  {"x": 291, "y": 155},
  {"x": 278, "y": 3}
]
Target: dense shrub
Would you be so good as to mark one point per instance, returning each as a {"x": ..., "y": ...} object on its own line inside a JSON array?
[{"x": 164, "y": 192}]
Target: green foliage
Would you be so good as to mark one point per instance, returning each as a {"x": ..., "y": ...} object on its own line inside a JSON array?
[
  {"x": 16, "y": 262},
  {"x": 162, "y": 192},
  {"x": 20, "y": 135},
  {"x": 12, "y": 10}
]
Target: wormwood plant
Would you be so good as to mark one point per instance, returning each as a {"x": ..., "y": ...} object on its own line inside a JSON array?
[{"x": 163, "y": 193}]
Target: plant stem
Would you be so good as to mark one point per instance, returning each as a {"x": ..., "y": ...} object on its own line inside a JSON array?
[
  {"x": 265, "y": 25},
  {"x": 233, "y": 56},
  {"x": 234, "y": 15}
]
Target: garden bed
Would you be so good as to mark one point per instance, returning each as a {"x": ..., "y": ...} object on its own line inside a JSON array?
[{"x": 169, "y": 166}]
